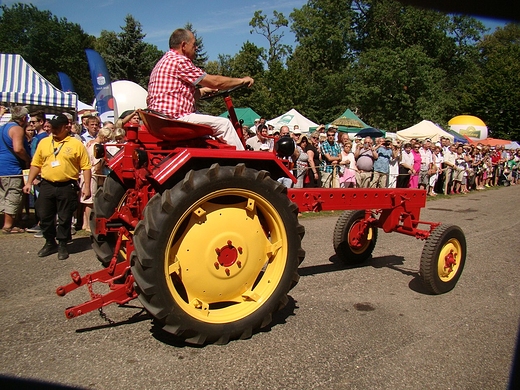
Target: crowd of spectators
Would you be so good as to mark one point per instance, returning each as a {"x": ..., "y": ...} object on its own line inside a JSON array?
[
  {"x": 22, "y": 136},
  {"x": 330, "y": 159},
  {"x": 325, "y": 158}
]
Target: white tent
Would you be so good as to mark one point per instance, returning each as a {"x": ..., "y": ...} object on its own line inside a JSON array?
[
  {"x": 84, "y": 106},
  {"x": 291, "y": 118},
  {"x": 21, "y": 84},
  {"x": 512, "y": 145},
  {"x": 422, "y": 130}
]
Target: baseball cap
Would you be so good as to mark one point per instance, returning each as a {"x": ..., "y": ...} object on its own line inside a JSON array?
[
  {"x": 297, "y": 131},
  {"x": 59, "y": 120}
]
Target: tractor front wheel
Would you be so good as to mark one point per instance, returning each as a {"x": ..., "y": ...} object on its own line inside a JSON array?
[
  {"x": 107, "y": 200},
  {"x": 354, "y": 239},
  {"x": 216, "y": 255}
]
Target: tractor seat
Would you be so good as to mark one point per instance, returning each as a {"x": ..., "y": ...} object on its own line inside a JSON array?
[{"x": 168, "y": 129}]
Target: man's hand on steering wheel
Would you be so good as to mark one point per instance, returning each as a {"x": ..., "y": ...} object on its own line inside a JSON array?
[
  {"x": 213, "y": 93},
  {"x": 205, "y": 92},
  {"x": 248, "y": 81}
]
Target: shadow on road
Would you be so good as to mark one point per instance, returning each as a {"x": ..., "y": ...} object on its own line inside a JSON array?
[
  {"x": 392, "y": 262},
  {"x": 80, "y": 244},
  {"x": 279, "y": 317},
  {"x": 142, "y": 315}
]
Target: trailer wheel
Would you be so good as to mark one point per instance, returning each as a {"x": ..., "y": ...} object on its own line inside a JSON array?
[
  {"x": 106, "y": 200},
  {"x": 443, "y": 258},
  {"x": 352, "y": 243},
  {"x": 216, "y": 255}
]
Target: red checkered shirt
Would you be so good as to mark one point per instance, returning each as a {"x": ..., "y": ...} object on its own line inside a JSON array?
[{"x": 172, "y": 85}]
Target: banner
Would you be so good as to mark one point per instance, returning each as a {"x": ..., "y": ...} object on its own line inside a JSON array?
[
  {"x": 66, "y": 82},
  {"x": 101, "y": 84}
]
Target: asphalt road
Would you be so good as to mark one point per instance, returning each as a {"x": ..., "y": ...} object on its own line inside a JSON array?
[{"x": 369, "y": 327}]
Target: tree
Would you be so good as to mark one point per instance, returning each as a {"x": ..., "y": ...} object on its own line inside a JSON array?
[
  {"x": 126, "y": 55},
  {"x": 49, "y": 44},
  {"x": 432, "y": 55},
  {"x": 269, "y": 28},
  {"x": 496, "y": 91},
  {"x": 324, "y": 35},
  {"x": 247, "y": 62},
  {"x": 395, "y": 89},
  {"x": 324, "y": 53},
  {"x": 201, "y": 56}
]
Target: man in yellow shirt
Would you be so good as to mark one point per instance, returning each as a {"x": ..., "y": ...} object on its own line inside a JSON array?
[{"x": 59, "y": 159}]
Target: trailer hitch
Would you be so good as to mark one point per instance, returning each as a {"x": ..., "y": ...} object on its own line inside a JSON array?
[{"x": 116, "y": 276}]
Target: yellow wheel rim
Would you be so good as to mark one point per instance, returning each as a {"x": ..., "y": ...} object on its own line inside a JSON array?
[
  {"x": 226, "y": 256},
  {"x": 359, "y": 242},
  {"x": 122, "y": 250},
  {"x": 449, "y": 260}
]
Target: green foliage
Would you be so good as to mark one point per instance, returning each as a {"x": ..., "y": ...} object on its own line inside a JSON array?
[
  {"x": 398, "y": 88},
  {"x": 49, "y": 44},
  {"x": 320, "y": 63},
  {"x": 269, "y": 28},
  {"x": 392, "y": 64},
  {"x": 324, "y": 35},
  {"x": 126, "y": 55},
  {"x": 247, "y": 62},
  {"x": 496, "y": 90},
  {"x": 201, "y": 57}
]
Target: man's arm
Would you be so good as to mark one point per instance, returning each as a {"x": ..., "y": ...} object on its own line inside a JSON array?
[
  {"x": 330, "y": 158},
  {"x": 17, "y": 134},
  {"x": 223, "y": 82},
  {"x": 296, "y": 155},
  {"x": 33, "y": 172},
  {"x": 85, "y": 191}
]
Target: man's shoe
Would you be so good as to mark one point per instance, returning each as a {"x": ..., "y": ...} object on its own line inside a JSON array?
[
  {"x": 63, "y": 253},
  {"x": 34, "y": 229},
  {"x": 39, "y": 234},
  {"x": 49, "y": 248}
]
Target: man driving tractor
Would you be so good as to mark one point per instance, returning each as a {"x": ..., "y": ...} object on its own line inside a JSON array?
[{"x": 173, "y": 91}]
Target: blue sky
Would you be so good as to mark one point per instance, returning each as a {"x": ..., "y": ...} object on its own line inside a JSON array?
[{"x": 223, "y": 24}]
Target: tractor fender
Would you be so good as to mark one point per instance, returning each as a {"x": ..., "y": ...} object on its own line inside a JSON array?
[{"x": 183, "y": 160}]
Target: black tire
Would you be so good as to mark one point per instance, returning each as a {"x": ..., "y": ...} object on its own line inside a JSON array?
[
  {"x": 437, "y": 272},
  {"x": 106, "y": 200},
  {"x": 181, "y": 278},
  {"x": 348, "y": 223}
]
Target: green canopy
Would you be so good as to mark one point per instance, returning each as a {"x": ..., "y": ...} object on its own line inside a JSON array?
[
  {"x": 348, "y": 122},
  {"x": 248, "y": 115}
]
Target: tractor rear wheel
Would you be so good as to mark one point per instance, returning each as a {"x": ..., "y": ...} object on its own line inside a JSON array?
[
  {"x": 216, "y": 255},
  {"x": 106, "y": 200},
  {"x": 353, "y": 242},
  {"x": 443, "y": 258}
]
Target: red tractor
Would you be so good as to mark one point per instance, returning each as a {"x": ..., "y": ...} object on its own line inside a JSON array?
[{"x": 209, "y": 241}]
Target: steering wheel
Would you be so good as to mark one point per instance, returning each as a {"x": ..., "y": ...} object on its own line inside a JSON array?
[{"x": 224, "y": 92}]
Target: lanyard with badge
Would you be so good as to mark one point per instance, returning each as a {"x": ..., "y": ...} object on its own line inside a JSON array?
[{"x": 56, "y": 151}]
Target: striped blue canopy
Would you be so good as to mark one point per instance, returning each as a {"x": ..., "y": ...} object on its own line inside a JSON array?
[{"x": 21, "y": 84}]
